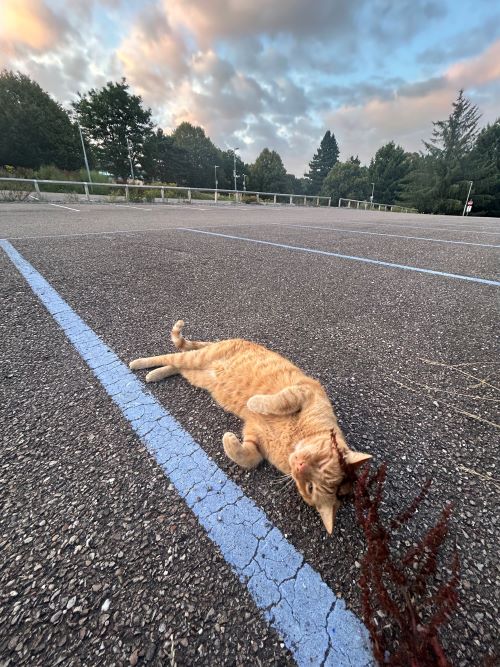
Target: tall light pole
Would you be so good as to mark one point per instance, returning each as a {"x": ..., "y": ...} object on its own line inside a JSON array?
[
  {"x": 85, "y": 154},
  {"x": 467, "y": 198},
  {"x": 373, "y": 189},
  {"x": 234, "y": 166},
  {"x": 216, "y": 166},
  {"x": 130, "y": 159}
]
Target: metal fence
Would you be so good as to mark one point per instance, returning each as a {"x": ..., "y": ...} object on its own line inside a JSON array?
[
  {"x": 375, "y": 206},
  {"x": 23, "y": 188}
]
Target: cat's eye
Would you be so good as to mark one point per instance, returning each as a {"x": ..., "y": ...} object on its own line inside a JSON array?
[{"x": 310, "y": 487}]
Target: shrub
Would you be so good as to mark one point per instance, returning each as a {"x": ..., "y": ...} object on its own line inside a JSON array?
[{"x": 402, "y": 589}]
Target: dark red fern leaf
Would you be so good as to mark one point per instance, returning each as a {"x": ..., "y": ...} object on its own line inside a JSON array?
[
  {"x": 405, "y": 516},
  {"x": 402, "y": 589}
]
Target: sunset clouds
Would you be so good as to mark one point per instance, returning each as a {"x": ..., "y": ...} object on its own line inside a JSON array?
[{"x": 269, "y": 74}]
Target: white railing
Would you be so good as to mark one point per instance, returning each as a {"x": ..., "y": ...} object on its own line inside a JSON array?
[
  {"x": 237, "y": 196},
  {"x": 374, "y": 206}
]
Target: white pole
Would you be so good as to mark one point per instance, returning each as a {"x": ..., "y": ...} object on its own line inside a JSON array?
[
  {"x": 130, "y": 159},
  {"x": 467, "y": 199},
  {"x": 85, "y": 154},
  {"x": 373, "y": 189},
  {"x": 234, "y": 167}
]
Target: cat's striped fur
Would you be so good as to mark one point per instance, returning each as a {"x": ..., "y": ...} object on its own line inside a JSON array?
[{"x": 288, "y": 418}]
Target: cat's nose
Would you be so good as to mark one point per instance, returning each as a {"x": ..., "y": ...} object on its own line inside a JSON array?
[{"x": 300, "y": 466}]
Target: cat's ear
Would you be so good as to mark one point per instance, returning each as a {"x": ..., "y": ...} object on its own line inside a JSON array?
[
  {"x": 356, "y": 459},
  {"x": 327, "y": 512}
]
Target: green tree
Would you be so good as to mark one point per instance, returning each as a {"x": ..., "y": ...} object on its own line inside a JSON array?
[
  {"x": 294, "y": 185},
  {"x": 440, "y": 179},
  {"x": 115, "y": 124},
  {"x": 203, "y": 154},
  {"x": 34, "y": 129},
  {"x": 323, "y": 161},
  {"x": 387, "y": 170},
  {"x": 226, "y": 168},
  {"x": 348, "y": 180},
  {"x": 486, "y": 171},
  {"x": 267, "y": 173},
  {"x": 164, "y": 161}
]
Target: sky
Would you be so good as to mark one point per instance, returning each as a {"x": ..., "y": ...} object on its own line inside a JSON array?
[{"x": 258, "y": 73}]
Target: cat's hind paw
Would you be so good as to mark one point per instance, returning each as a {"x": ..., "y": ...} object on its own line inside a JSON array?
[
  {"x": 137, "y": 364},
  {"x": 161, "y": 373},
  {"x": 232, "y": 446},
  {"x": 258, "y": 404}
]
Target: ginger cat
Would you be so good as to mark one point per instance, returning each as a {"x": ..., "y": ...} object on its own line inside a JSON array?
[{"x": 288, "y": 418}]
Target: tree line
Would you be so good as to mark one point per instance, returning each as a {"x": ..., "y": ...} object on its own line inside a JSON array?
[{"x": 121, "y": 140}]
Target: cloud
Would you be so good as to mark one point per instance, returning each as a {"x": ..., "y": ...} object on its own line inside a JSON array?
[
  {"x": 407, "y": 116},
  {"x": 32, "y": 25},
  {"x": 153, "y": 57},
  {"x": 210, "y": 20},
  {"x": 262, "y": 74}
]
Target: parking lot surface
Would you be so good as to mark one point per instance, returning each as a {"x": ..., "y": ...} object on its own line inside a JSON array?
[{"x": 396, "y": 315}]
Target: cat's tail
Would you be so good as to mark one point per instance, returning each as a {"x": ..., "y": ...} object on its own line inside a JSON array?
[{"x": 182, "y": 343}]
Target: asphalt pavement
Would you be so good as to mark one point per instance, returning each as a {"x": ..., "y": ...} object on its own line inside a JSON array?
[{"x": 101, "y": 562}]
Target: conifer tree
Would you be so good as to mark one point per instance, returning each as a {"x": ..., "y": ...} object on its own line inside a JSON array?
[
  {"x": 439, "y": 184},
  {"x": 486, "y": 171},
  {"x": 323, "y": 161}
]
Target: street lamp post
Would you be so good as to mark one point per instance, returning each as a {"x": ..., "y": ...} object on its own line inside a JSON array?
[
  {"x": 467, "y": 198},
  {"x": 85, "y": 154},
  {"x": 130, "y": 159},
  {"x": 373, "y": 189},
  {"x": 234, "y": 166}
]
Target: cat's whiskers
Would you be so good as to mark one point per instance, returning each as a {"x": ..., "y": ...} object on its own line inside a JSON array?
[{"x": 284, "y": 480}]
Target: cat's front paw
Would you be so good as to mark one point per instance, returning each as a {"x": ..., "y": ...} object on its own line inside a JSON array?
[{"x": 232, "y": 446}]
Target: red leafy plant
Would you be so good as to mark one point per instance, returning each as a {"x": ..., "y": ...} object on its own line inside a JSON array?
[{"x": 403, "y": 603}]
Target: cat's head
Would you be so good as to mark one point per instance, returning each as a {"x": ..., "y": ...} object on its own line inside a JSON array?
[{"x": 320, "y": 474}]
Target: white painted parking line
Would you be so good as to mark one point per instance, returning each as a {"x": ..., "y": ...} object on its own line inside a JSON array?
[
  {"x": 397, "y": 236},
  {"x": 353, "y": 258},
  {"x": 431, "y": 228},
  {"x": 62, "y": 206},
  {"x": 314, "y": 624},
  {"x": 138, "y": 208},
  {"x": 57, "y": 205}
]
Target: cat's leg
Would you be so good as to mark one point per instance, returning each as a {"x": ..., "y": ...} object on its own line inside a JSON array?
[
  {"x": 194, "y": 359},
  {"x": 246, "y": 454},
  {"x": 285, "y": 402},
  {"x": 161, "y": 373}
]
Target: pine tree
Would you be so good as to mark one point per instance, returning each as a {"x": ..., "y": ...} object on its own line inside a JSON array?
[
  {"x": 323, "y": 161},
  {"x": 440, "y": 181},
  {"x": 486, "y": 160}
]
